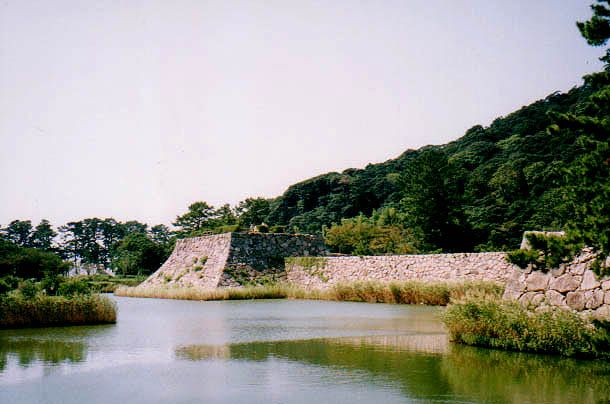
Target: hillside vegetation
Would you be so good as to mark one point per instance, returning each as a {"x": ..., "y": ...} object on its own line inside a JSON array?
[{"x": 478, "y": 192}]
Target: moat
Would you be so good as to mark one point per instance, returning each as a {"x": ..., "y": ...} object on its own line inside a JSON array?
[{"x": 280, "y": 351}]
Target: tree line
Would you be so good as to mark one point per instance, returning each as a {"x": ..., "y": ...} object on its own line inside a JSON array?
[{"x": 128, "y": 248}]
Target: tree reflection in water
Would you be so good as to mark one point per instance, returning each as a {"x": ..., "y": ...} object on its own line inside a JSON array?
[{"x": 428, "y": 367}]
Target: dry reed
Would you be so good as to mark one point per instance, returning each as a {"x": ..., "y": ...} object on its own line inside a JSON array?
[
  {"x": 412, "y": 292},
  {"x": 45, "y": 311}
]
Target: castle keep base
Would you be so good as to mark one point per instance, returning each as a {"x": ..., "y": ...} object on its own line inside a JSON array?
[{"x": 231, "y": 259}]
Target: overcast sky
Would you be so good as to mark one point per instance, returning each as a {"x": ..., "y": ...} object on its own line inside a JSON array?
[{"x": 135, "y": 109}]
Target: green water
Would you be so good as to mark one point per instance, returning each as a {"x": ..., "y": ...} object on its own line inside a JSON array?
[{"x": 280, "y": 351}]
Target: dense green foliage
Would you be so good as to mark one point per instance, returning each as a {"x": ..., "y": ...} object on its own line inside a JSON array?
[
  {"x": 21, "y": 233},
  {"x": 546, "y": 251},
  {"x": 509, "y": 325},
  {"x": 596, "y": 30},
  {"x": 585, "y": 189},
  {"x": 92, "y": 243},
  {"x": 479, "y": 192},
  {"x": 382, "y": 233},
  {"x": 26, "y": 263},
  {"x": 544, "y": 167},
  {"x": 138, "y": 254}
]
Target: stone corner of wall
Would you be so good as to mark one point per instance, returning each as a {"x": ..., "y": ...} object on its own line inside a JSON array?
[{"x": 573, "y": 286}]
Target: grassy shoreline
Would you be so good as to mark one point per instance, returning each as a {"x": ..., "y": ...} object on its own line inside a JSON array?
[
  {"x": 50, "y": 311},
  {"x": 508, "y": 325},
  {"x": 411, "y": 292}
]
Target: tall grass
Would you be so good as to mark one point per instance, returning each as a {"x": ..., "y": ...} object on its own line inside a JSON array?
[
  {"x": 412, "y": 292},
  {"x": 44, "y": 311},
  {"x": 509, "y": 325},
  {"x": 251, "y": 292}
]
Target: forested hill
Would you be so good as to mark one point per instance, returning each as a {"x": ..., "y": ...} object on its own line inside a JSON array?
[{"x": 479, "y": 191}]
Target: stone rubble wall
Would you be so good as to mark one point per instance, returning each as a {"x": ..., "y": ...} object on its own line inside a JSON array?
[
  {"x": 188, "y": 266},
  {"x": 231, "y": 259},
  {"x": 572, "y": 286},
  {"x": 256, "y": 255},
  {"x": 323, "y": 272}
]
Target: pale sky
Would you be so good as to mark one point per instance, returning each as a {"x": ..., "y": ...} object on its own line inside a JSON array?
[{"x": 135, "y": 109}]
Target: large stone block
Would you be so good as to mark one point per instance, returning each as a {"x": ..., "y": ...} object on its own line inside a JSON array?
[
  {"x": 512, "y": 294},
  {"x": 595, "y": 299},
  {"x": 602, "y": 313},
  {"x": 576, "y": 300},
  {"x": 555, "y": 298},
  {"x": 565, "y": 283},
  {"x": 531, "y": 298},
  {"x": 589, "y": 281},
  {"x": 537, "y": 281},
  {"x": 578, "y": 269}
]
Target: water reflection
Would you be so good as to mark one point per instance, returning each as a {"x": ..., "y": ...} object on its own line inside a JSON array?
[
  {"x": 50, "y": 351},
  {"x": 525, "y": 378},
  {"x": 279, "y": 351},
  {"x": 428, "y": 367},
  {"x": 49, "y": 346}
]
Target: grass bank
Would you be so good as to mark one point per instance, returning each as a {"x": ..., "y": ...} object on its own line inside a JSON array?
[
  {"x": 412, "y": 292},
  {"x": 510, "y": 326},
  {"x": 45, "y": 311}
]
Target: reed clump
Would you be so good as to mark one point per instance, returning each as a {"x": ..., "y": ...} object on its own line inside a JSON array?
[
  {"x": 511, "y": 326},
  {"x": 438, "y": 293},
  {"x": 44, "y": 311}
]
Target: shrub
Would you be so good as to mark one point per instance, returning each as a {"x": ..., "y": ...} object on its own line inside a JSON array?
[
  {"x": 74, "y": 287},
  {"x": 522, "y": 258},
  {"x": 50, "y": 284},
  {"x": 28, "y": 289},
  {"x": 509, "y": 325},
  {"x": 8, "y": 283},
  {"x": 547, "y": 251},
  {"x": 277, "y": 229},
  {"x": 367, "y": 236}
]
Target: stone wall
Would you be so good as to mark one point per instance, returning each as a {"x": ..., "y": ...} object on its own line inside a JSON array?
[
  {"x": 235, "y": 259},
  {"x": 574, "y": 286},
  {"x": 196, "y": 261},
  {"x": 323, "y": 272},
  {"x": 231, "y": 259},
  {"x": 256, "y": 255}
]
